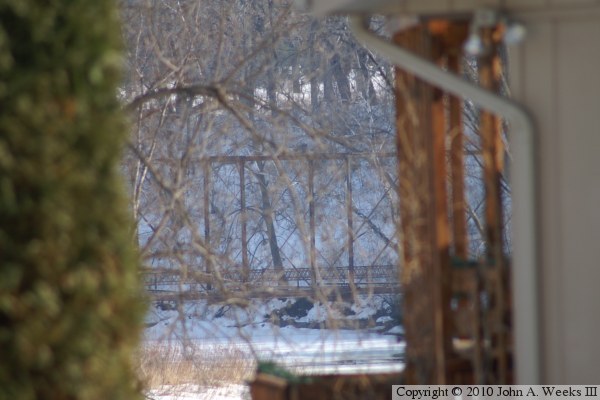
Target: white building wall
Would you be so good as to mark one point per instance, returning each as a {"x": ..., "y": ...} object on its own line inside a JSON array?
[{"x": 556, "y": 74}]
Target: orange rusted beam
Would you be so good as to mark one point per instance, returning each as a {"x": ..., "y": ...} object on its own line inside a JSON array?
[
  {"x": 412, "y": 97},
  {"x": 490, "y": 131},
  {"x": 439, "y": 231},
  {"x": 457, "y": 34}
]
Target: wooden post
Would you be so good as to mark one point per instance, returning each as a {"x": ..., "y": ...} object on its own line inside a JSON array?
[
  {"x": 457, "y": 167},
  {"x": 420, "y": 131},
  {"x": 468, "y": 308},
  {"x": 492, "y": 153},
  {"x": 440, "y": 230},
  {"x": 460, "y": 237}
]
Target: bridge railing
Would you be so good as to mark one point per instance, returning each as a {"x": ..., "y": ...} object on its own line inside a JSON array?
[{"x": 362, "y": 277}]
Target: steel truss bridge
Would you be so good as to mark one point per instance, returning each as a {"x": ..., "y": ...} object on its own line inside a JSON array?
[{"x": 210, "y": 281}]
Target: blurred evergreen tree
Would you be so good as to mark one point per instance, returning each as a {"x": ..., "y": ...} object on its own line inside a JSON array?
[{"x": 70, "y": 309}]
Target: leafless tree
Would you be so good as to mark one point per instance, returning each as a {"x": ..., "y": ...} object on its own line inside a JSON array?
[
  {"x": 257, "y": 134},
  {"x": 261, "y": 158}
]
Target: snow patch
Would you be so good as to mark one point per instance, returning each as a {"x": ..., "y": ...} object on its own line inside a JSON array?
[
  {"x": 195, "y": 392},
  {"x": 396, "y": 330}
]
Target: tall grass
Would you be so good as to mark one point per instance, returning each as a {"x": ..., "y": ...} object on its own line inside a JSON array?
[{"x": 168, "y": 365}]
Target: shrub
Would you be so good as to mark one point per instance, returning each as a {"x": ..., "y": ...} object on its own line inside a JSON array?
[{"x": 70, "y": 304}]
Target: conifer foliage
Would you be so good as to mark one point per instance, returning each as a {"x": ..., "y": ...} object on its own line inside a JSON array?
[{"x": 70, "y": 305}]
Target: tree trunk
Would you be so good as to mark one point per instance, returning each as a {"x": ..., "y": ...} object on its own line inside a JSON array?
[
  {"x": 367, "y": 88},
  {"x": 267, "y": 212},
  {"x": 341, "y": 78},
  {"x": 314, "y": 66}
]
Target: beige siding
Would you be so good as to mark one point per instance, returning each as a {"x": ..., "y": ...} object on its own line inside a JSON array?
[
  {"x": 579, "y": 117},
  {"x": 555, "y": 74},
  {"x": 526, "y": 80}
]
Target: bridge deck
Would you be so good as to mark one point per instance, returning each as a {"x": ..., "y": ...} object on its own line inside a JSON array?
[{"x": 170, "y": 284}]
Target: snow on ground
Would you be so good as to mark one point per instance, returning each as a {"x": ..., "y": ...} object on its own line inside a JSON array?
[
  {"x": 256, "y": 332},
  {"x": 194, "y": 392}
]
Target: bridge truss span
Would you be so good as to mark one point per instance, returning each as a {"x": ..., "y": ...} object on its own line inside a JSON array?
[{"x": 298, "y": 220}]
